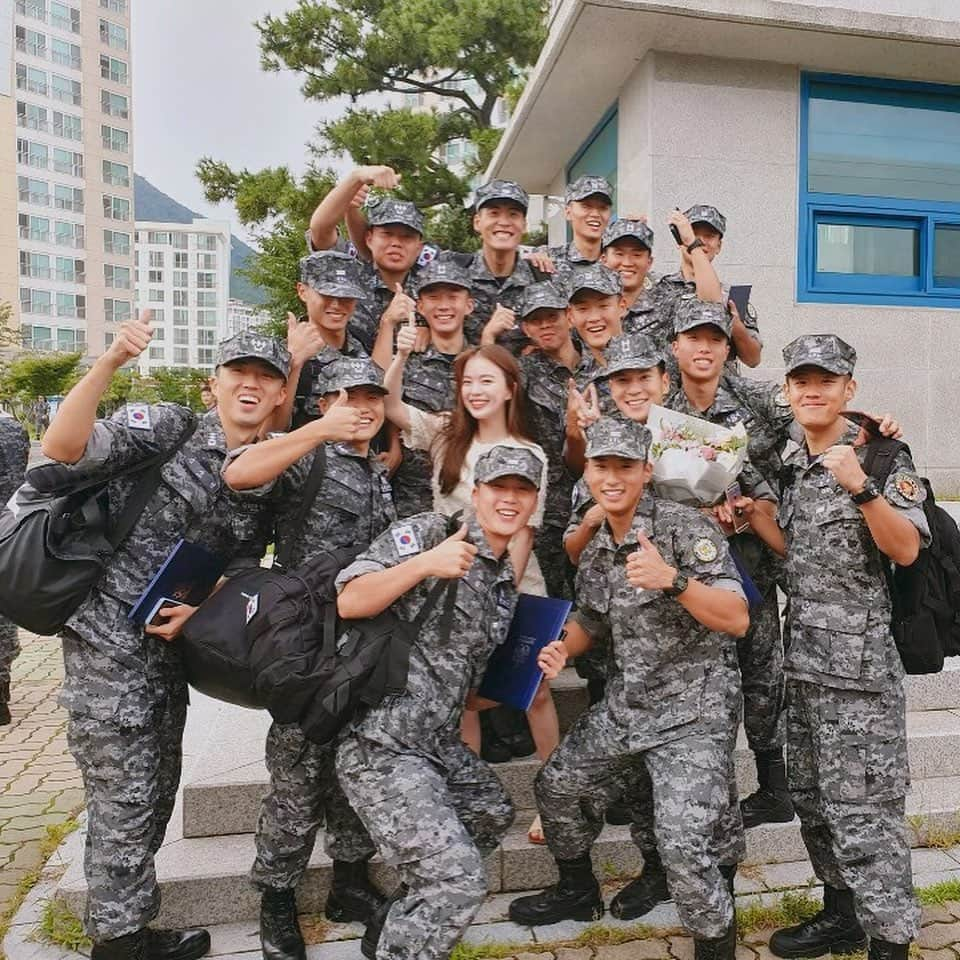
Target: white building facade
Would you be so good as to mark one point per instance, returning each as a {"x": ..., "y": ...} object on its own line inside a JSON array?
[
  {"x": 244, "y": 316},
  {"x": 829, "y": 136},
  {"x": 183, "y": 276}
]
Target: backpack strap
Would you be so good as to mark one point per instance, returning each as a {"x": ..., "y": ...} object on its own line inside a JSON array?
[
  {"x": 881, "y": 454},
  {"x": 307, "y": 497},
  {"x": 141, "y": 494}
]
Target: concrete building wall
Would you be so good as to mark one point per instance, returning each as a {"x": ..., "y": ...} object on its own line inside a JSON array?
[
  {"x": 727, "y": 134},
  {"x": 9, "y": 267}
]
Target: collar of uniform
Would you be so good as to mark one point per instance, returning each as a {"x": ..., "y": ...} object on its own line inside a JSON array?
[
  {"x": 571, "y": 252},
  {"x": 210, "y": 432},
  {"x": 432, "y": 353},
  {"x": 352, "y": 347},
  {"x": 587, "y": 366},
  {"x": 550, "y": 366},
  {"x": 348, "y": 450},
  {"x": 521, "y": 276},
  {"x": 676, "y": 278},
  {"x": 800, "y": 456},
  {"x": 725, "y": 400},
  {"x": 642, "y": 520},
  {"x": 478, "y": 538}
]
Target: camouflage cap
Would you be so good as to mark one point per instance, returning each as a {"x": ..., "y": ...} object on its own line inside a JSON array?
[
  {"x": 545, "y": 295},
  {"x": 693, "y": 312},
  {"x": 596, "y": 277},
  {"x": 617, "y": 437},
  {"x": 504, "y": 461},
  {"x": 441, "y": 271},
  {"x": 619, "y": 229},
  {"x": 587, "y": 186},
  {"x": 496, "y": 190},
  {"x": 629, "y": 351},
  {"x": 381, "y": 211},
  {"x": 704, "y": 213},
  {"x": 344, "y": 373},
  {"x": 248, "y": 345},
  {"x": 824, "y": 350},
  {"x": 332, "y": 273}
]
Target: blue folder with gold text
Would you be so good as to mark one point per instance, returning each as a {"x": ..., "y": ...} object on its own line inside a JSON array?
[
  {"x": 188, "y": 575},
  {"x": 512, "y": 675}
]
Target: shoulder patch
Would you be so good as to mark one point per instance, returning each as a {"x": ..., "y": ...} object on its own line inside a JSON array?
[
  {"x": 138, "y": 416},
  {"x": 406, "y": 541},
  {"x": 908, "y": 487},
  {"x": 705, "y": 550}
]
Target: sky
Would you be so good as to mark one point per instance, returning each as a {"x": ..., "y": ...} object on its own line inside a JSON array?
[{"x": 198, "y": 90}]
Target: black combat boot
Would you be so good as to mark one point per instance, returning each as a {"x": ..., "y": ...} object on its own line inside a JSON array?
[
  {"x": 771, "y": 803},
  {"x": 885, "y": 950},
  {"x": 835, "y": 929},
  {"x": 280, "y": 934},
  {"x": 575, "y": 897},
  {"x": 720, "y": 948},
  {"x": 177, "y": 944},
  {"x": 640, "y": 896},
  {"x": 371, "y": 936},
  {"x": 493, "y": 748},
  {"x": 5, "y": 717},
  {"x": 131, "y": 946},
  {"x": 729, "y": 872},
  {"x": 352, "y": 896}
]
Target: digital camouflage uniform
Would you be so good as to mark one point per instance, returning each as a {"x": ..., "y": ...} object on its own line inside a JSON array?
[
  {"x": 846, "y": 723},
  {"x": 124, "y": 691},
  {"x": 433, "y": 808},
  {"x": 567, "y": 256},
  {"x": 14, "y": 453},
  {"x": 353, "y": 506},
  {"x": 669, "y": 707}
]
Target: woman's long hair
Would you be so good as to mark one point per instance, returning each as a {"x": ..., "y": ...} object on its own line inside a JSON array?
[{"x": 454, "y": 440}]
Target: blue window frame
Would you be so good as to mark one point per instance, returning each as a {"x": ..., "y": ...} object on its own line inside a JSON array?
[
  {"x": 597, "y": 154},
  {"x": 879, "y": 192}
]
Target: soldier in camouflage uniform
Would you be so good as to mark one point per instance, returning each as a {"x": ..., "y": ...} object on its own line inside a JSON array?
[
  {"x": 702, "y": 228},
  {"x": 352, "y": 507},
  {"x": 628, "y": 249},
  {"x": 588, "y": 207},
  {"x": 658, "y": 584},
  {"x": 443, "y": 299},
  {"x": 432, "y": 806},
  {"x": 124, "y": 688},
  {"x": 14, "y": 452},
  {"x": 547, "y": 371},
  {"x": 846, "y": 724},
  {"x": 701, "y": 345}
]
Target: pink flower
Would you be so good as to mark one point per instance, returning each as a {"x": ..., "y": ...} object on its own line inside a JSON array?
[{"x": 708, "y": 453}]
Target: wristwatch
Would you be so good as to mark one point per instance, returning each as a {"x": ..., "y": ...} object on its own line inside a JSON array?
[
  {"x": 679, "y": 584},
  {"x": 694, "y": 245},
  {"x": 868, "y": 493}
]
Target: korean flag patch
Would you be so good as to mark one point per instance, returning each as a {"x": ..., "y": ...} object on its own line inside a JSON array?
[
  {"x": 405, "y": 540},
  {"x": 138, "y": 416}
]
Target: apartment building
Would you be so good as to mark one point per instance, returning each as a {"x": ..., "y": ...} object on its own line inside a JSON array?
[
  {"x": 183, "y": 276},
  {"x": 244, "y": 316},
  {"x": 66, "y": 124}
]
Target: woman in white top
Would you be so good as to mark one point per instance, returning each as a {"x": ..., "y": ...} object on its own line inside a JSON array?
[{"x": 486, "y": 412}]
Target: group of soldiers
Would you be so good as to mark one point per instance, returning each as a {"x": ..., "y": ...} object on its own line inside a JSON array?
[{"x": 482, "y": 422}]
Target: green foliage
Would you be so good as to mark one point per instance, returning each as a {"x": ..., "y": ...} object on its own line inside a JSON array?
[
  {"x": 939, "y": 892},
  {"x": 171, "y": 384},
  {"x": 32, "y": 375},
  {"x": 61, "y": 926},
  {"x": 462, "y": 54},
  {"x": 791, "y": 908}
]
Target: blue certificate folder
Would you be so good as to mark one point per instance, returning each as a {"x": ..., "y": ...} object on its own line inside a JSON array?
[
  {"x": 188, "y": 575},
  {"x": 512, "y": 675}
]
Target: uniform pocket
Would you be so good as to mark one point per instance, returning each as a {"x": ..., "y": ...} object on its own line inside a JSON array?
[{"x": 827, "y": 637}]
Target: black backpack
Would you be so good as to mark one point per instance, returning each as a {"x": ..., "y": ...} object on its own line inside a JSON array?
[
  {"x": 54, "y": 549},
  {"x": 272, "y": 639},
  {"x": 925, "y": 595}
]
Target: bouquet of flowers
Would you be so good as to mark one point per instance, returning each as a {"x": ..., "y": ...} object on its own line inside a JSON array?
[{"x": 694, "y": 461}]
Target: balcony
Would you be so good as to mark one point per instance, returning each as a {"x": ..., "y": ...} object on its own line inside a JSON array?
[
  {"x": 40, "y": 236},
  {"x": 31, "y": 9},
  {"x": 32, "y": 47},
  {"x": 70, "y": 276},
  {"x": 67, "y": 96},
  {"x": 66, "y": 60},
  {"x": 33, "y": 123},
  {"x": 34, "y": 271},
  {"x": 63, "y": 240},
  {"x": 33, "y": 86},
  {"x": 32, "y": 160},
  {"x": 64, "y": 23},
  {"x": 75, "y": 205},
  {"x": 37, "y": 199}
]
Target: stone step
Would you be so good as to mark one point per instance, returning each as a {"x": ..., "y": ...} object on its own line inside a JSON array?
[
  {"x": 223, "y": 795},
  {"x": 204, "y": 880}
]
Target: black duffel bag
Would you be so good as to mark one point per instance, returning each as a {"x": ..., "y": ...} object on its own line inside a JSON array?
[{"x": 56, "y": 542}]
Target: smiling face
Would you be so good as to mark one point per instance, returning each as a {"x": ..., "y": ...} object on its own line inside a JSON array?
[
  {"x": 631, "y": 259},
  {"x": 444, "y": 307},
  {"x": 501, "y": 225},
  {"x": 328, "y": 313},
  {"x": 711, "y": 237},
  {"x": 817, "y": 396},
  {"x": 504, "y": 506},
  {"x": 617, "y": 483},
  {"x": 484, "y": 389},
  {"x": 589, "y": 217},
  {"x": 634, "y": 390},
  {"x": 549, "y": 329},
  {"x": 595, "y": 316},
  {"x": 368, "y": 403},
  {"x": 247, "y": 391},
  {"x": 701, "y": 352},
  {"x": 394, "y": 247}
]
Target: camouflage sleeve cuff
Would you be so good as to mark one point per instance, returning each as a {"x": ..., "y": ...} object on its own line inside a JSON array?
[
  {"x": 724, "y": 583},
  {"x": 357, "y": 569},
  {"x": 260, "y": 491},
  {"x": 590, "y": 623}
]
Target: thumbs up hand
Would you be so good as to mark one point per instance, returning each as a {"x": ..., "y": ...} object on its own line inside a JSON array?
[
  {"x": 400, "y": 308},
  {"x": 453, "y": 557},
  {"x": 340, "y": 422},
  {"x": 406, "y": 338},
  {"x": 646, "y": 569}
]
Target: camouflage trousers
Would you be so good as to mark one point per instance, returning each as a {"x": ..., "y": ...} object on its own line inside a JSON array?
[
  {"x": 9, "y": 649},
  {"x": 760, "y": 654},
  {"x": 126, "y": 740},
  {"x": 304, "y": 794},
  {"x": 433, "y": 818},
  {"x": 690, "y": 782},
  {"x": 558, "y": 572},
  {"x": 848, "y": 775}
]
